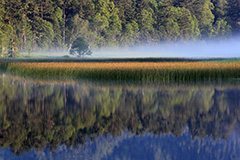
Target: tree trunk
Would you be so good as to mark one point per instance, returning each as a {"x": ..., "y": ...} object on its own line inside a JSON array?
[
  {"x": 24, "y": 32},
  {"x": 69, "y": 48},
  {"x": 3, "y": 49},
  {"x": 33, "y": 29},
  {"x": 64, "y": 23},
  {"x": 24, "y": 39},
  {"x": 12, "y": 49}
]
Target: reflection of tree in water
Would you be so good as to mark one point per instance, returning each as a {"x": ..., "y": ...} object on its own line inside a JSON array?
[{"x": 40, "y": 115}]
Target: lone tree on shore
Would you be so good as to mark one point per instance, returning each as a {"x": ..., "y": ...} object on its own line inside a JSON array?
[{"x": 80, "y": 47}]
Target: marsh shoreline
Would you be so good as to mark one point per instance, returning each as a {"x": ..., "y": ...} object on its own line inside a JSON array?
[
  {"x": 79, "y": 60},
  {"x": 165, "y": 71}
]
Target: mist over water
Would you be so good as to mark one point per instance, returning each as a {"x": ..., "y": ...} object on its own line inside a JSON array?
[{"x": 229, "y": 48}]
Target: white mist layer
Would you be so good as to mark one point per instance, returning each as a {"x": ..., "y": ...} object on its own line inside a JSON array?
[{"x": 198, "y": 49}]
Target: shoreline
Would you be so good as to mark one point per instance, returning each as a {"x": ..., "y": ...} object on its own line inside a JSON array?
[
  {"x": 182, "y": 71},
  {"x": 111, "y": 60}
]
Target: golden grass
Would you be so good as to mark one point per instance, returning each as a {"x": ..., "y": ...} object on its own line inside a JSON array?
[
  {"x": 132, "y": 65},
  {"x": 125, "y": 71}
]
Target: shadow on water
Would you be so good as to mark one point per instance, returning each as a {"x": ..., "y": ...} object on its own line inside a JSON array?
[{"x": 89, "y": 120}]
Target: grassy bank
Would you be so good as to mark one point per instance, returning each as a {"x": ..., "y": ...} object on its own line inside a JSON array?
[{"x": 128, "y": 71}]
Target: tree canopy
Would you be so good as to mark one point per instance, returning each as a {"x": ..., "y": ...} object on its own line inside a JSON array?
[
  {"x": 80, "y": 47},
  {"x": 30, "y": 25}
]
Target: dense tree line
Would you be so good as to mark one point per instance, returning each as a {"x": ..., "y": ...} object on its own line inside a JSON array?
[
  {"x": 34, "y": 114},
  {"x": 30, "y": 25}
]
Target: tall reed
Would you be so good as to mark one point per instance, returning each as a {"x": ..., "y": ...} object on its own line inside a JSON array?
[{"x": 125, "y": 71}]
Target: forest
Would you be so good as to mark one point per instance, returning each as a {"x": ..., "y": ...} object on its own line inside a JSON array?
[{"x": 31, "y": 26}]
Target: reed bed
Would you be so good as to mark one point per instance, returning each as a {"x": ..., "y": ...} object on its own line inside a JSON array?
[{"x": 125, "y": 71}]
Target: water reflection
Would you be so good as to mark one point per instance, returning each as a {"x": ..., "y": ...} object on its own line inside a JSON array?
[{"x": 67, "y": 120}]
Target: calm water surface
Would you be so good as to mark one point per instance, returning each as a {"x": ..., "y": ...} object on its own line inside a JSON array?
[{"x": 43, "y": 119}]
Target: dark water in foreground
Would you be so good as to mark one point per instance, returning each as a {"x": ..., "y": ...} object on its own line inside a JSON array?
[{"x": 86, "y": 120}]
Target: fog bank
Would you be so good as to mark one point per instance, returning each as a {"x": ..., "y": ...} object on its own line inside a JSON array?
[{"x": 198, "y": 49}]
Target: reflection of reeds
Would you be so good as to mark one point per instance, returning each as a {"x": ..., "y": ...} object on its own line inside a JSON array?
[{"x": 140, "y": 71}]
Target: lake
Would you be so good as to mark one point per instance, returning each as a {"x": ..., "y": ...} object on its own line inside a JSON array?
[{"x": 52, "y": 119}]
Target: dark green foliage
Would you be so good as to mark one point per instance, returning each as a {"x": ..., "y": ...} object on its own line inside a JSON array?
[
  {"x": 28, "y": 26},
  {"x": 80, "y": 47},
  {"x": 233, "y": 15}
]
